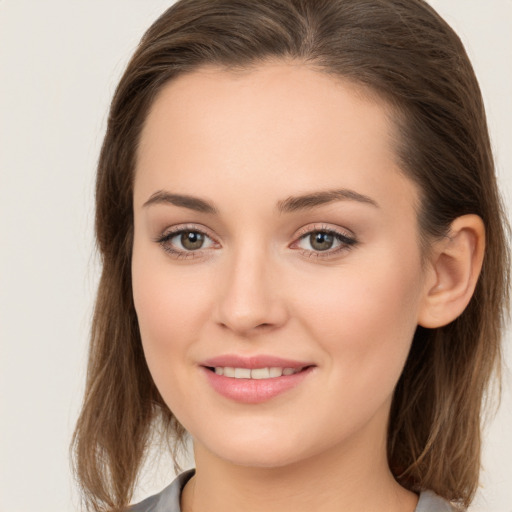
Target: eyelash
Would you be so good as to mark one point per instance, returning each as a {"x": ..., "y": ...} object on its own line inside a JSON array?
[
  {"x": 166, "y": 237},
  {"x": 346, "y": 242}
]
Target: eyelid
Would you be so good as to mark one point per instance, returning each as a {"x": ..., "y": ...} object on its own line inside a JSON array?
[
  {"x": 346, "y": 238},
  {"x": 310, "y": 228},
  {"x": 173, "y": 231},
  {"x": 178, "y": 228}
]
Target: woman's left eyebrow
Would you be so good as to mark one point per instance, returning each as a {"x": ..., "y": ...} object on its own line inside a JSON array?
[{"x": 314, "y": 199}]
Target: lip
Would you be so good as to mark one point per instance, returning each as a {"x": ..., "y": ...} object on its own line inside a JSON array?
[
  {"x": 254, "y": 391},
  {"x": 251, "y": 362}
]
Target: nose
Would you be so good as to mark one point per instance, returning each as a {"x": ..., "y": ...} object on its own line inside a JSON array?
[{"x": 251, "y": 299}]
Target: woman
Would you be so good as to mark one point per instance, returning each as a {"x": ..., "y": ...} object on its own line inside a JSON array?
[{"x": 304, "y": 261}]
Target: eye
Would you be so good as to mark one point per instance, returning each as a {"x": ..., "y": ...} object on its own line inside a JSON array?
[
  {"x": 324, "y": 242},
  {"x": 190, "y": 240},
  {"x": 321, "y": 240},
  {"x": 185, "y": 241}
]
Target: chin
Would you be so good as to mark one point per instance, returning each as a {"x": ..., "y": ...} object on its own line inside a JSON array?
[
  {"x": 260, "y": 450},
  {"x": 259, "y": 458}
]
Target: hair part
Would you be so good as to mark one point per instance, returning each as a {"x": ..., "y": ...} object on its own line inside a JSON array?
[{"x": 405, "y": 54}]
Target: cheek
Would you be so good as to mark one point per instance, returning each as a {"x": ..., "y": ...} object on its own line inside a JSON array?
[
  {"x": 167, "y": 296},
  {"x": 170, "y": 316},
  {"x": 365, "y": 320},
  {"x": 160, "y": 310}
]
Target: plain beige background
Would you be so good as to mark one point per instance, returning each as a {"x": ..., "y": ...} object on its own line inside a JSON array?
[{"x": 59, "y": 63}]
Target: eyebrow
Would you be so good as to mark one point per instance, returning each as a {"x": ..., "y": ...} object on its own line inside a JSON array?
[
  {"x": 185, "y": 201},
  {"x": 314, "y": 199},
  {"x": 288, "y": 205}
]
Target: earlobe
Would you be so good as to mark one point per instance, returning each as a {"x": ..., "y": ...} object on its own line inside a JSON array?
[{"x": 455, "y": 265}]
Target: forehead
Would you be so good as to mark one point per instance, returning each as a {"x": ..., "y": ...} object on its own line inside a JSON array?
[
  {"x": 292, "y": 99},
  {"x": 279, "y": 128}
]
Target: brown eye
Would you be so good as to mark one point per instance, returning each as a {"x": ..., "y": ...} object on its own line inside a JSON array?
[
  {"x": 185, "y": 242},
  {"x": 324, "y": 243},
  {"x": 191, "y": 240},
  {"x": 321, "y": 241}
]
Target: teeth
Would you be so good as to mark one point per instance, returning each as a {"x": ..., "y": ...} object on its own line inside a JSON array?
[
  {"x": 242, "y": 373},
  {"x": 255, "y": 373},
  {"x": 276, "y": 372},
  {"x": 229, "y": 372},
  {"x": 260, "y": 373}
]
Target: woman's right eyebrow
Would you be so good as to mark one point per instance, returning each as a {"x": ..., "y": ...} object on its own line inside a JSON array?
[{"x": 185, "y": 201}]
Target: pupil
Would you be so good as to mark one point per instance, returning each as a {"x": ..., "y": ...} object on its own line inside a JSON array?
[
  {"x": 192, "y": 240},
  {"x": 321, "y": 241}
]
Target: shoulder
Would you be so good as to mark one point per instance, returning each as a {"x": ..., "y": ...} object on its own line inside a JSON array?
[
  {"x": 167, "y": 500},
  {"x": 431, "y": 502}
]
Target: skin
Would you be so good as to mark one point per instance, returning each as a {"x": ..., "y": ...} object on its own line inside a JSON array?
[{"x": 245, "y": 142}]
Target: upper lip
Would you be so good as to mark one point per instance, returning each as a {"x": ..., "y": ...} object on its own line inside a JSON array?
[{"x": 256, "y": 361}]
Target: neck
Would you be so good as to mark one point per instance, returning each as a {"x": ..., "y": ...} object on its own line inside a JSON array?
[{"x": 353, "y": 477}]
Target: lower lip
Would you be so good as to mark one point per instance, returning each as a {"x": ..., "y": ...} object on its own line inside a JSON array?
[{"x": 254, "y": 391}]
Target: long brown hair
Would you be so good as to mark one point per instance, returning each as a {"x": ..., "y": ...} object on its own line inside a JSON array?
[{"x": 408, "y": 56}]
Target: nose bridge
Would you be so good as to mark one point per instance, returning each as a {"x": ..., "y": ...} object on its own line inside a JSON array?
[{"x": 250, "y": 295}]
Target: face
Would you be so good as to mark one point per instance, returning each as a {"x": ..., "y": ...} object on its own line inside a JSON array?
[{"x": 277, "y": 273}]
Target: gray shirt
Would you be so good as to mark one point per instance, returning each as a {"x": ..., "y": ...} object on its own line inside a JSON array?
[{"x": 169, "y": 499}]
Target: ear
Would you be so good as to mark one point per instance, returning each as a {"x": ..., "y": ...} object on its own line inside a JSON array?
[{"x": 454, "y": 267}]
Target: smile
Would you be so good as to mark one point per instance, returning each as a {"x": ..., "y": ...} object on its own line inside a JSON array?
[
  {"x": 254, "y": 373},
  {"x": 249, "y": 382}
]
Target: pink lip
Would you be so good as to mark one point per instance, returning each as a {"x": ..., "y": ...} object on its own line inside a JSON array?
[
  {"x": 259, "y": 361},
  {"x": 254, "y": 391}
]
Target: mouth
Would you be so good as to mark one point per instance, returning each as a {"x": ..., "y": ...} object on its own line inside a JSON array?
[
  {"x": 271, "y": 372},
  {"x": 254, "y": 380}
]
